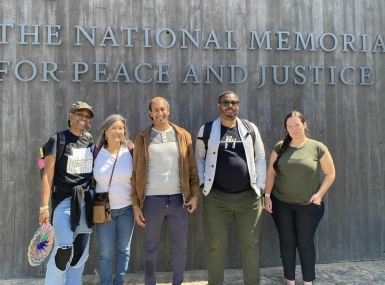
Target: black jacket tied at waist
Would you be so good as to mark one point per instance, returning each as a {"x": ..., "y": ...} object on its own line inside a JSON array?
[{"x": 77, "y": 194}]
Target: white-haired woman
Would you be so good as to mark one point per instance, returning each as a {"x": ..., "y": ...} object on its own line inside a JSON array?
[{"x": 114, "y": 147}]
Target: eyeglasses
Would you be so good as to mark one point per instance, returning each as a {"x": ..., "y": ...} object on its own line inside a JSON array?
[
  {"x": 82, "y": 116},
  {"x": 227, "y": 103}
]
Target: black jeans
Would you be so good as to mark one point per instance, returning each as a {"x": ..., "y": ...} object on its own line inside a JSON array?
[{"x": 296, "y": 225}]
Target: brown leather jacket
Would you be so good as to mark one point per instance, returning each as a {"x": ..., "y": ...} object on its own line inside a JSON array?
[{"x": 187, "y": 166}]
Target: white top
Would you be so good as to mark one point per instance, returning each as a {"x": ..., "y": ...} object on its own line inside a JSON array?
[
  {"x": 120, "y": 188},
  {"x": 163, "y": 175}
]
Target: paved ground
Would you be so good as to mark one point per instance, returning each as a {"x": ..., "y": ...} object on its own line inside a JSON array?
[{"x": 349, "y": 273}]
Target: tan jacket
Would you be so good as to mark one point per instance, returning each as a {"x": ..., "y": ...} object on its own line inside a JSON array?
[{"x": 187, "y": 166}]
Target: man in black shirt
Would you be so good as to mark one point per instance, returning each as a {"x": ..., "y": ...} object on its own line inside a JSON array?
[{"x": 232, "y": 172}]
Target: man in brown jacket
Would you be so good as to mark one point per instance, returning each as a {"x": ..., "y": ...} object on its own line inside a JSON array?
[{"x": 164, "y": 186}]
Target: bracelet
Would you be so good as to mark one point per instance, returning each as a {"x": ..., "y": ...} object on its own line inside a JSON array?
[
  {"x": 43, "y": 209},
  {"x": 266, "y": 195},
  {"x": 134, "y": 206}
]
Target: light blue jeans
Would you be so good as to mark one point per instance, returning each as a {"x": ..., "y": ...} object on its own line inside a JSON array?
[
  {"x": 64, "y": 238},
  {"x": 120, "y": 227}
]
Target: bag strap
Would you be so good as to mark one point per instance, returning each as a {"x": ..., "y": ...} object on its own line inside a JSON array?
[
  {"x": 131, "y": 149},
  {"x": 249, "y": 128},
  {"x": 97, "y": 149},
  {"x": 113, "y": 168},
  {"x": 250, "y": 131},
  {"x": 206, "y": 135},
  {"x": 95, "y": 152},
  {"x": 61, "y": 146}
]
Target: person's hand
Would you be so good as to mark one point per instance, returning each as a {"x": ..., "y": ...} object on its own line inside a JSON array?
[
  {"x": 192, "y": 204},
  {"x": 316, "y": 199},
  {"x": 139, "y": 217},
  {"x": 268, "y": 205},
  {"x": 44, "y": 217}
]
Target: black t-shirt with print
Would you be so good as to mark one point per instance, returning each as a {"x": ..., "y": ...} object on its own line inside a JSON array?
[
  {"x": 231, "y": 174},
  {"x": 75, "y": 165}
]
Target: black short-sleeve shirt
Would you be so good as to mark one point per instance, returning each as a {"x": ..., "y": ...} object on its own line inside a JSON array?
[
  {"x": 75, "y": 165},
  {"x": 231, "y": 173}
]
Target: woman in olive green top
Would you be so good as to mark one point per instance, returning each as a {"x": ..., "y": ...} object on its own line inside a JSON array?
[{"x": 293, "y": 194}]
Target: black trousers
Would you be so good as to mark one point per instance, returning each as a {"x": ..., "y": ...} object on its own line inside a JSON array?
[{"x": 296, "y": 225}]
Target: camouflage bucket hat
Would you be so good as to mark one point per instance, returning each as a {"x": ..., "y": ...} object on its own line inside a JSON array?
[{"x": 81, "y": 105}]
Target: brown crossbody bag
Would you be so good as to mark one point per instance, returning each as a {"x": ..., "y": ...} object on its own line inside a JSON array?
[{"x": 101, "y": 207}]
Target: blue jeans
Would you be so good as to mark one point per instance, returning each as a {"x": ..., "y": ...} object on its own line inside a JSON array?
[
  {"x": 120, "y": 227},
  {"x": 155, "y": 210},
  {"x": 64, "y": 237}
]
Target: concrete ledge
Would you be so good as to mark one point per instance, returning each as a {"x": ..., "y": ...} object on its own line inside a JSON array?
[{"x": 348, "y": 273}]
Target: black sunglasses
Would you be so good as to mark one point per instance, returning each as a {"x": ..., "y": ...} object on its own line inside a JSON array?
[{"x": 227, "y": 103}]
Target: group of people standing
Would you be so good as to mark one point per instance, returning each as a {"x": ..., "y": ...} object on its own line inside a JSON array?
[{"x": 162, "y": 179}]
